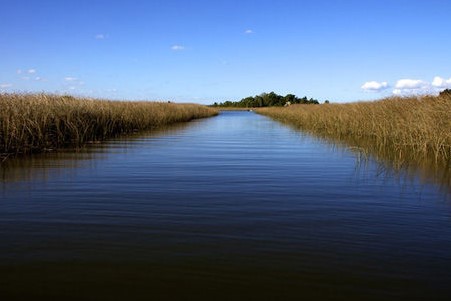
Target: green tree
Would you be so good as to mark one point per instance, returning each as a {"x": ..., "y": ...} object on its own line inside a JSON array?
[
  {"x": 446, "y": 92},
  {"x": 267, "y": 100}
]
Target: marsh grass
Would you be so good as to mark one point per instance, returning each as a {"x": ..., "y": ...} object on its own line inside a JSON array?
[
  {"x": 400, "y": 130},
  {"x": 38, "y": 122}
]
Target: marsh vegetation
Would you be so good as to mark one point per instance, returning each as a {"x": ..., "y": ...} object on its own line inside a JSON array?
[
  {"x": 399, "y": 130},
  {"x": 38, "y": 122},
  {"x": 221, "y": 208}
]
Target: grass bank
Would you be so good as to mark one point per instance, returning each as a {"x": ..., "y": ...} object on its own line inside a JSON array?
[
  {"x": 38, "y": 122},
  {"x": 408, "y": 129}
]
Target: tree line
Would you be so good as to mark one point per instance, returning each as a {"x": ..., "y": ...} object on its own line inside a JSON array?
[
  {"x": 267, "y": 100},
  {"x": 446, "y": 92}
]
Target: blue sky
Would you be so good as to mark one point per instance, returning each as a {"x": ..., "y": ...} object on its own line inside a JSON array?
[{"x": 206, "y": 51}]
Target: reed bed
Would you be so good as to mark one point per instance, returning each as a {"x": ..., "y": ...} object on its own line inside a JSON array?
[
  {"x": 38, "y": 122},
  {"x": 409, "y": 129}
]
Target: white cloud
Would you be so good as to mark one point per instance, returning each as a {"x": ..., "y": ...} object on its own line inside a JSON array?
[
  {"x": 411, "y": 86},
  {"x": 177, "y": 47},
  {"x": 31, "y": 75},
  {"x": 29, "y": 71},
  {"x": 72, "y": 82},
  {"x": 441, "y": 83},
  {"x": 374, "y": 86},
  {"x": 4, "y": 86},
  {"x": 100, "y": 36},
  {"x": 248, "y": 31},
  {"x": 408, "y": 86}
]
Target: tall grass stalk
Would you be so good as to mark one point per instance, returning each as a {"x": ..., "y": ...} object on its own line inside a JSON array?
[
  {"x": 412, "y": 128},
  {"x": 37, "y": 122}
]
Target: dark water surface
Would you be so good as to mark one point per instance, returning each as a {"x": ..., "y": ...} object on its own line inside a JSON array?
[{"x": 236, "y": 207}]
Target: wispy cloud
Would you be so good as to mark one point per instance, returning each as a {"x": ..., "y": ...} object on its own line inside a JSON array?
[
  {"x": 6, "y": 85},
  {"x": 28, "y": 74},
  {"x": 36, "y": 78},
  {"x": 100, "y": 36},
  {"x": 374, "y": 86},
  {"x": 72, "y": 82},
  {"x": 178, "y": 47},
  {"x": 248, "y": 31}
]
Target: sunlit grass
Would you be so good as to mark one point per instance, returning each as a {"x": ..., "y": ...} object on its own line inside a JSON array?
[
  {"x": 38, "y": 122},
  {"x": 414, "y": 128}
]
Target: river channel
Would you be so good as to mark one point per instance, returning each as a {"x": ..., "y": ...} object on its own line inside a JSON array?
[{"x": 234, "y": 207}]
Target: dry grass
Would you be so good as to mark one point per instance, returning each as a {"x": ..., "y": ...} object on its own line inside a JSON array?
[
  {"x": 408, "y": 128},
  {"x": 37, "y": 122}
]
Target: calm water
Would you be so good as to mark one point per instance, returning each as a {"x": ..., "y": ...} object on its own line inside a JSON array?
[{"x": 233, "y": 207}]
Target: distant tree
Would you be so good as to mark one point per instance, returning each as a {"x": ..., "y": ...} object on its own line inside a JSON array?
[
  {"x": 313, "y": 101},
  {"x": 248, "y": 102},
  {"x": 267, "y": 100},
  {"x": 446, "y": 92},
  {"x": 272, "y": 99},
  {"x": 289, "y": 98},
  {"x": 258, "y": 101},
  {"x": 303, "y": 100},
  {"x": 326, "y": 102}
]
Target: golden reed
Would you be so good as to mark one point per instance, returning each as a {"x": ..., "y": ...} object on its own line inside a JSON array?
[
  {"x": 409, "y": 128},
  {"x": 37, "y": 122}
]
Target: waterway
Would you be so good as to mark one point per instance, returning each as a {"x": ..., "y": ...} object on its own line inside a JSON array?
[{"x": 234, "y": 207}]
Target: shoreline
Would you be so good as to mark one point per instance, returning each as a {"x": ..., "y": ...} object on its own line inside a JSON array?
[
  {"x": 33, "y": 123},
  {"x": 409, "y": 129}
]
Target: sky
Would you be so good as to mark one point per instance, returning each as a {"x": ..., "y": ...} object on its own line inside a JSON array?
[{"x": 213, "y": 51}]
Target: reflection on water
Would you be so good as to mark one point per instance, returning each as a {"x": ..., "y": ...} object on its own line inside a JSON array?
[
  {"x": 232, "y": 207},
  {"x": 41, "y": 166},
  {"x": 393, "y": 164}
]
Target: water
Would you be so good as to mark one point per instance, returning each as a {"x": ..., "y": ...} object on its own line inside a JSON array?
[{"x": 235, "y": 207}]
